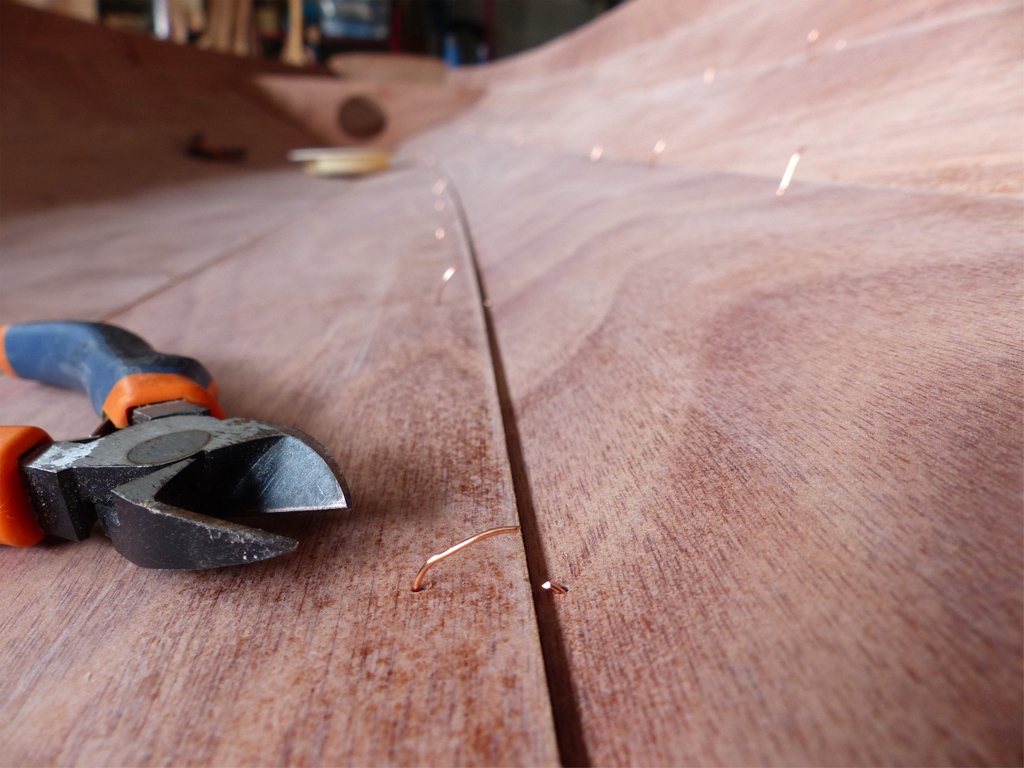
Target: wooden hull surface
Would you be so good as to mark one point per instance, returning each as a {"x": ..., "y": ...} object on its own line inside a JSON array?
[{"x": 771, "y": 443}]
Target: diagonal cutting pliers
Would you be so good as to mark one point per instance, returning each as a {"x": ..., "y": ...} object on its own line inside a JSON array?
[{"x": 166, "y": 468}]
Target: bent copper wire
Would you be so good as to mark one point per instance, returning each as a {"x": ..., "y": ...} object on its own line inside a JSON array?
[
  {"x": 554, "y": 586},
  {"x": 444, "y": 282},
  {"x": 417, "y": 585}
]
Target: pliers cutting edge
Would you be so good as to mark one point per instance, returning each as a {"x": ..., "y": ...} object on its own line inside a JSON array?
[{"x": 165, "y": 469}]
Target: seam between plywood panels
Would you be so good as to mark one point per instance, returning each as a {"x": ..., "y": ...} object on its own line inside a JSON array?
[{"x": 564, "y": 701}]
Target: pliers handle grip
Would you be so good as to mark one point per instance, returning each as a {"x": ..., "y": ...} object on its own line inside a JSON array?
[
  {"x": 117, "y": 370},
  {"x": 18, "y": 524},
  {"x": 114, "y": 367}
]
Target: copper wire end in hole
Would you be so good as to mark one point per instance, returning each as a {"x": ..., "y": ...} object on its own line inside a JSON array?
[
  {"x": 658, "y": 149},
  {"x": 444, "y": 282},
  {"x": 417, "y": 585},
  {"x": 554, "y": 586}
]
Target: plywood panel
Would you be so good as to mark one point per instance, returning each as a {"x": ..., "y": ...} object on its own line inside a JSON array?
[
  {"x": 773, "y": 447},
  {"x": 920, "y": 95},
  {"x": 329, "y": 324}
]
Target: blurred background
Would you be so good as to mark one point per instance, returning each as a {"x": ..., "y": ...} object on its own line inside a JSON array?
[{"x": 457, "y": 31}]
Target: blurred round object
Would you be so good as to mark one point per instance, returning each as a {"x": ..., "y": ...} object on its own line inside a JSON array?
[
  {"x": 341, "y": 161},
  {"x": 361, "y": 117}
]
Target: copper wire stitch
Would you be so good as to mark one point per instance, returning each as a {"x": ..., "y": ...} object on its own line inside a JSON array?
[
  {"x": 790, "y": 169},
  {"x": 444, "y": 283},
  {"x": 417, "y": 585}
]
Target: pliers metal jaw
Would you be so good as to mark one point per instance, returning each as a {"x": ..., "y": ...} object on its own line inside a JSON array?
[{"x": 164, "y": 487}]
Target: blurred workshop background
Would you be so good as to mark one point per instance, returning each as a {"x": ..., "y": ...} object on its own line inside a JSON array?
[{"x": 458, "y": 31}]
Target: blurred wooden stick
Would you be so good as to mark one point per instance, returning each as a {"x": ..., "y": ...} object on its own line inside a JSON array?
[{"x": 293, "y": 52}]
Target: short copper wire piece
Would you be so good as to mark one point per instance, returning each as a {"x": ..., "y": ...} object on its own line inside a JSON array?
[
  {"x": 554, "y": 586},
  {"x": 790, "y": 168},
  {"x": 444, "y": 282},
  {"x": 417, "y": 585}
]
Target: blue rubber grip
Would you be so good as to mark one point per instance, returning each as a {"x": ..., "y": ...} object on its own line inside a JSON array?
[{"x": 91, "y": 357}]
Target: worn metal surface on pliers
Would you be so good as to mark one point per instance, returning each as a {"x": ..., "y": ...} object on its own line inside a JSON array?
[{"x": 164, "y": 484}]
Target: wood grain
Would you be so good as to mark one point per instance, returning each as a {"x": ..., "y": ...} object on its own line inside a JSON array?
[
  {"x": 105, "y": 256},
  {"x": 773, "y": 446},
  {"x": 329, "y": 324}
]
